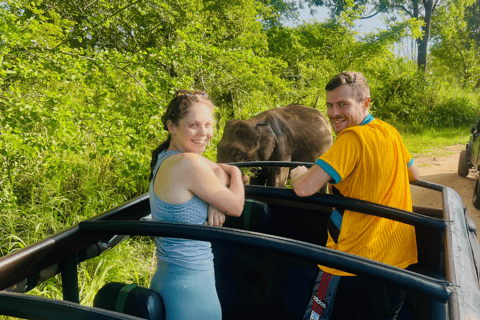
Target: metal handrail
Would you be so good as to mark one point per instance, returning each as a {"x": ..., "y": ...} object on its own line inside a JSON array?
[
  {"x": 437, "y": 289},
  {"x": 22, "y": 264}
]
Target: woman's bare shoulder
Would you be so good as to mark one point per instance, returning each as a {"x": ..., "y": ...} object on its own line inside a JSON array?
[{"x": 188, "y": 161}]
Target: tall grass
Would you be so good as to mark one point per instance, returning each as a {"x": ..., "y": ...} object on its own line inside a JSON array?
[
  {"x": 34, "y": 207},
  {"x": 431, "y": 140}
]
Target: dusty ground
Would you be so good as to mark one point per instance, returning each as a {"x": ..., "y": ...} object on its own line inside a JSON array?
[{"x": 443, "y": 170}]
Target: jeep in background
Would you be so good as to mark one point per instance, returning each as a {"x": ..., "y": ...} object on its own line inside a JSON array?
[{"x": 470, "y": 159}]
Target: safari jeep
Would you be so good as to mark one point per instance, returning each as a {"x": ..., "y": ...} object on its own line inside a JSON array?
[
  {"x": 470, "y": 159},
  {"x": 265, "y": 261}
]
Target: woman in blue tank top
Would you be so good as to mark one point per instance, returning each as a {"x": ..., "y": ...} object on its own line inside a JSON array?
[{"x": 186, "y": 187}]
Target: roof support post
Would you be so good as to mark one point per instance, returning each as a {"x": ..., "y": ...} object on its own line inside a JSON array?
[{"x": 68, "y": 269}]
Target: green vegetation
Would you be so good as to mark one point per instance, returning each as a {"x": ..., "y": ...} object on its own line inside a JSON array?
[
  {"x": 82, "y": 89},
  {"x": 432, "y": 140}
]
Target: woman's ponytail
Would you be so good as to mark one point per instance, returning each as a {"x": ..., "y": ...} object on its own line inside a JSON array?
[{"x": 155, "y": 154}]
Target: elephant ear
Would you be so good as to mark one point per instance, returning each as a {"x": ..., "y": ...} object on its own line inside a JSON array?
[{"x": 267, "y": 141}]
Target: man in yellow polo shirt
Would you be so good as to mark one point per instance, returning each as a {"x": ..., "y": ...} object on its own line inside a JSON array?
[{"x": 368, "y": 161}]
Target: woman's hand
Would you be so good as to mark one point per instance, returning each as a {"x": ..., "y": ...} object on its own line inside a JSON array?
[{"x": 216, "y": 217}]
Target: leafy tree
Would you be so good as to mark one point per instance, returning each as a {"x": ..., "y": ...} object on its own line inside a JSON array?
[
  {"x": 473, "y": 26},
  {"x": 314, "y": 52},
  {"x": 85, "y": 88},
  {"x": 472, "y": 12},
  {"x": 133, "y": 26},
  {"x": 455, "y": 50},
  {"x": 413, "y": 9}
]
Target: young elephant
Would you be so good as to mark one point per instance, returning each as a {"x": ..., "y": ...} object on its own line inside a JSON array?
[{"x": 291, "y": 133}]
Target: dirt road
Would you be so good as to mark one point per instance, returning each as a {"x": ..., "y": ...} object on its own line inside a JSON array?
[{"x": 443, "y": 170}]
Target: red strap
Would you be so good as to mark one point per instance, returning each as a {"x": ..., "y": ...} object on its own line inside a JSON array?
[{"x": 322, "y": 292}]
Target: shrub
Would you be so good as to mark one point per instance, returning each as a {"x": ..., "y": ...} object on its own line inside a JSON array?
[{"x": 417, "y": 98}]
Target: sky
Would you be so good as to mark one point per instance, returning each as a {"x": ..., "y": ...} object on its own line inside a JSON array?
[{"x": 365, "y": 25}]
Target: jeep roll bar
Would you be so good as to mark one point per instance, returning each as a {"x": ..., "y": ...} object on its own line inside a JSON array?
[{"x": 62, "y": 252}]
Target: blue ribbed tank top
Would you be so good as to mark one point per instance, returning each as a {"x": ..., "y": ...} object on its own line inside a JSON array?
[{"x": 190, "y": 254}]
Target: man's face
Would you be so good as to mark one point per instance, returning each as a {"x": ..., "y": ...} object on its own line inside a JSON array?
[{"x": 344, "y": 110}]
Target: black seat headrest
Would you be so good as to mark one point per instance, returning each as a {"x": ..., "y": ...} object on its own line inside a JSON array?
[
  {"x": 131, "y": 299},
  {"x": 255, "y": 217}
]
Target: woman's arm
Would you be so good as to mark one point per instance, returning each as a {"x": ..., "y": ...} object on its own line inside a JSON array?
[
  {"x": 215, "y": 216},
  {"x": 201, "y": 179},
  {"x": 222, "y": 176}
]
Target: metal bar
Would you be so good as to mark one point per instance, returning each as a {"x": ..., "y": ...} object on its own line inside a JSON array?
[
  {"x": 68, "y": 269},
  {"x": 437, "y": 289},
  {"x": 28, "y": 306},
  {"x": 30, "y": 260},
  {"x": 285, "y": 164},
  {"x": 428, "y": 185},
  {"x": 349, "y": 204},
  {"x": 453, "y": 308}
]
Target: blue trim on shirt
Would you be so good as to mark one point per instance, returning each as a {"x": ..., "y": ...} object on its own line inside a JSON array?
[
  {"x": 367, "y": 119},
  {"x": 336, "y": 218},
  {"x": 410, "y": 163},
  {"x": 328, "y": 168}
]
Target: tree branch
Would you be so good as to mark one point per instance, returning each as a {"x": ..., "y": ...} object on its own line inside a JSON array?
[
  {"x": 436, "y": 4},
  {"x": 464, "y": 62},
  {"x": 316, "y": 101},
  {"x": 370, "y": 16},
  {"x": 402, "y": 7},
  {"x": 138, "y": 81},
  {"x": 89, "y": 28}
]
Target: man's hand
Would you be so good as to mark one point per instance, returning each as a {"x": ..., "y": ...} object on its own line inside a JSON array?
[
  {"x": 298, "y": 171},
  {"x": 245, "y": 179},
  {"x": 306, "y": 182},
  {"x": 216, "y": 217}
]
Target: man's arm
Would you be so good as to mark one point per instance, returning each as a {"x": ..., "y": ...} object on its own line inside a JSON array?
[
  {"x": 413, "y": 172},
  {"x": 307, "y": 182}
]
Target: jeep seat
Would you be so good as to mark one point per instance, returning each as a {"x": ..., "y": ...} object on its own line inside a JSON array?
[
  {"x": 243, "y": 275},
  {"x": 132, "y": 300}
]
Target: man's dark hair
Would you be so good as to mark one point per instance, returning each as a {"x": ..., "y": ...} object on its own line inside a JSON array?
[{"x": 356, "y": 80}]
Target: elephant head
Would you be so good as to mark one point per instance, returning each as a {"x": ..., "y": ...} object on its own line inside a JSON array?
[{"x": 246, "y": 141}]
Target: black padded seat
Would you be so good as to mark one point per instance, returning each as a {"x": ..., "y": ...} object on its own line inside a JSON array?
[
  {"x": 132, "y": 300},
  {"x": 255, "y": 217},
  {"x": 244, "y": 275},
  {"x": 420, "y": 307}
]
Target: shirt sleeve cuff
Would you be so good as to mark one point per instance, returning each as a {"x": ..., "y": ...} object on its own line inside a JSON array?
[
  {"x": 328, "y": 168},
  {"x": 410, "y": 163}
]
